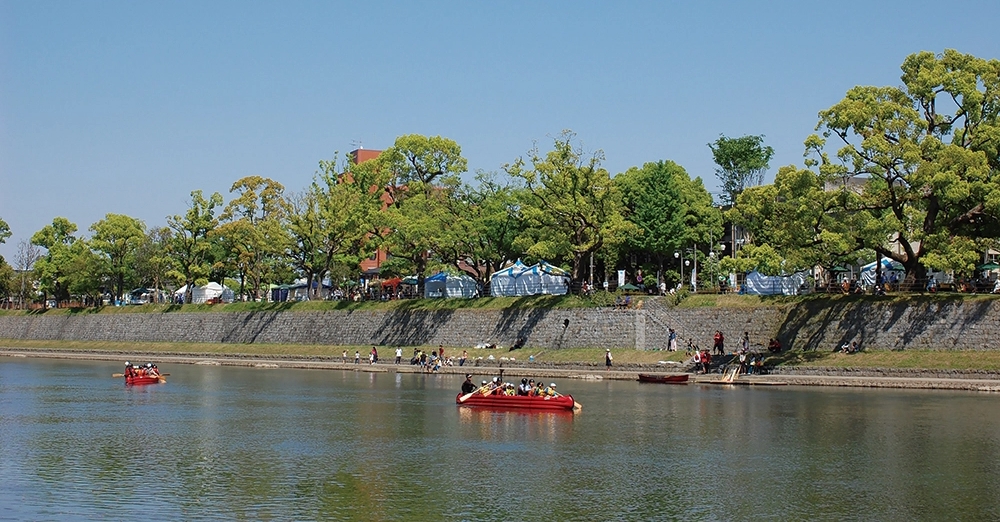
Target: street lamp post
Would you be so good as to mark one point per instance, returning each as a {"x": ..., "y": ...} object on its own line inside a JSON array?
[{"x": 680, "y": 263}]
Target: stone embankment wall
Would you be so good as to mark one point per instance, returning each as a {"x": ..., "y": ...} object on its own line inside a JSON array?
[{"x": 820, "y": 325}]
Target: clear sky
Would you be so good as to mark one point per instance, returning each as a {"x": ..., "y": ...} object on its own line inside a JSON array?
[{"x": 126, "y": 107}]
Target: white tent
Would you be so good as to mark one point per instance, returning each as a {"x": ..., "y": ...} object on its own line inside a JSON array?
[
  {"x": 760, "y": 284},
  {"x": 888, "y": 266},
  {"x": 503, "y": 283},
  {"x": 447, "y": 285},
  {"x": 202, "y": 294},
  {"x": 519, "y": 280}
]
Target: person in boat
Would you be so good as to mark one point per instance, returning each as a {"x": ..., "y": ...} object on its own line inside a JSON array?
[
  {"x": 523, "y": 389},
  {"x": 152, "y": 370},
  {"x": 468, "y": 386},
  {"x": 129, "y": 370},
  {"x": 551, "y": 390},
  {"x": 531, "y": 388}
]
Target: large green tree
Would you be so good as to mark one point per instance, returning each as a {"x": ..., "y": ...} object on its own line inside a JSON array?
[
  {"x": 483, "y": 220},
  {"x": 919, "y": 163},
  {"x": 795, "y": 224},
  {"x": 571, "y": 205},
  {"x": 54, "y": 266},
  {"x": 741, "y": 162},
  {"x": 331, "y": 222},
  {"x": 117, "y": 237},
  {"x": 253, "y": 233},
  {"x": 190, "y": 246},
  {"x": 418, "y": 173},
  {"x": 673, "y": 212}
]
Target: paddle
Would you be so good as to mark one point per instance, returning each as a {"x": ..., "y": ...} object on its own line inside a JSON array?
[
  {"x": 577, "y": 406},
  {"x": 120, "y": 375},
  {"x": 470, "y": 394}
]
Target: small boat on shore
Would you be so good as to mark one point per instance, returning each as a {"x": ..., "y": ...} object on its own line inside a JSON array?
[
  {"x": 675, "y": 378},
  {"x": 519, "y": 402}
]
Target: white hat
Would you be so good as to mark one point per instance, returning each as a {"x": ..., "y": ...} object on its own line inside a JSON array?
[{"x": 553, "y": 385}]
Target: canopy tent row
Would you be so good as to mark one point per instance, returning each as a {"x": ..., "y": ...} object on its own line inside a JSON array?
[{"x": 520, "y": 280}]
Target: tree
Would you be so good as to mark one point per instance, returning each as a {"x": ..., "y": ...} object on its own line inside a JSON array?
[
  {"x": 572, "y": 207},
  {"x": 118, "y": 237},
  {"x": 416, "y": 159},
  {"x": 742, "y": 163},
  {"x": 190, "y": 246},
  {"x": 332, "y": 222},
  {"x": 672, "y": 211},
  {"x": 417, "y": 173},
  {"x": 483, "y": 222},
  {"x": 152, "y": 259},
  {"x": 52, "y": 268},
  {"x": 24, "y": 263},
  {"x": 802, "y": 223},
  {"x": 924, "y": 160},
  {"x": 4, "y": 232},
  {"x": 253, "y": 231}
]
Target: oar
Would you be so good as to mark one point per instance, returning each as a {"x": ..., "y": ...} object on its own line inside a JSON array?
[
  {"x": 577, "y": 406},
  {"x": 467, "y": 395},
  {"x": 120, "y": 375}
]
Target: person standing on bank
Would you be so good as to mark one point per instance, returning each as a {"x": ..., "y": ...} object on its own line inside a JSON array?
[
  {"x": 399, "y": 355},
  {"x": 745, "y": 342},
  {"x": 608, "y": 358}
]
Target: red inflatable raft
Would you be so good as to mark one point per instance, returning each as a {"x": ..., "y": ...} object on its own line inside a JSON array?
[
  {"x": 520, "y": 402},
  {"x": 143, "y": 379}
]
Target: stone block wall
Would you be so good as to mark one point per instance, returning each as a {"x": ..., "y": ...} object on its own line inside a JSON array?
[{"x": 819, "y": 325}]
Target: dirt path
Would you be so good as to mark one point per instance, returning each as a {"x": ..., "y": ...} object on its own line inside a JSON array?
[{"x": 983, "y": 382}]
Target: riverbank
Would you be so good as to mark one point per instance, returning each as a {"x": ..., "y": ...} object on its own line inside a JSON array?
[{"x": 970, "y": 380}]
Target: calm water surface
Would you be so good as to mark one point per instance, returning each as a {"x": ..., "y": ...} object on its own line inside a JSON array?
[{"x": 260, "y": 444}]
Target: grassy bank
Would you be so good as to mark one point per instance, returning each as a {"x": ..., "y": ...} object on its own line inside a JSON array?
[{"x": 903, "y": 359}]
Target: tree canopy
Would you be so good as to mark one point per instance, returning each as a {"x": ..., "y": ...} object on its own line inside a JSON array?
[{"x": 742, "y": 163}]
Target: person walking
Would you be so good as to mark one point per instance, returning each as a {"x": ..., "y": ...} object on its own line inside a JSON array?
[
  {"x": 608, "y": 358},
  {"x": 672, "y": 340}
]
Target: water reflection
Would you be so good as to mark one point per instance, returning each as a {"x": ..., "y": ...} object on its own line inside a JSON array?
[{"x": 225, "y": 443}]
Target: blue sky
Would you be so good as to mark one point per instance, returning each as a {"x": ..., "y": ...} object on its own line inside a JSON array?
[{"x": 126, "y": 107}]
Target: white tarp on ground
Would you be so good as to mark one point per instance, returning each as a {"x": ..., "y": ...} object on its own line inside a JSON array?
[
  {"x": 202, "y": 294},
  {"x": 888, "y": 267},
  {"x": 519, "y": 280},
  {"x": 447, "y": 285},
  {"x": 760, "y": 284}
]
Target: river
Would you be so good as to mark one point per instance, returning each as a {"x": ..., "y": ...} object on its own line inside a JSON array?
[{"x": 224, "y": 443}]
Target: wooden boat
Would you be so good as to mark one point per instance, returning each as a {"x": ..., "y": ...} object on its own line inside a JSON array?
[
  {"x": 676, "y": 378},
  {"x": 144, "y": 379},
  {"x": 519, "y": 402}
]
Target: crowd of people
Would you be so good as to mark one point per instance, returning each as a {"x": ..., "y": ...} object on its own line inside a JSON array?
[
  {"x": 149, "y": 370},
  {"x": 497, "y": 386}
]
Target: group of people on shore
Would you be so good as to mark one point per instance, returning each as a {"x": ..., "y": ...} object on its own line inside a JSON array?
[
  {"x": 497, "y": 386},
  {"x": 149, "y": 370}
]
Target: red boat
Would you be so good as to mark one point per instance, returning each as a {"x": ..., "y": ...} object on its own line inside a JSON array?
[
  {"x": 520, "y": 402},
  {"x": 677, "y": 378},
  {"x": 143, "y": 379}
]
